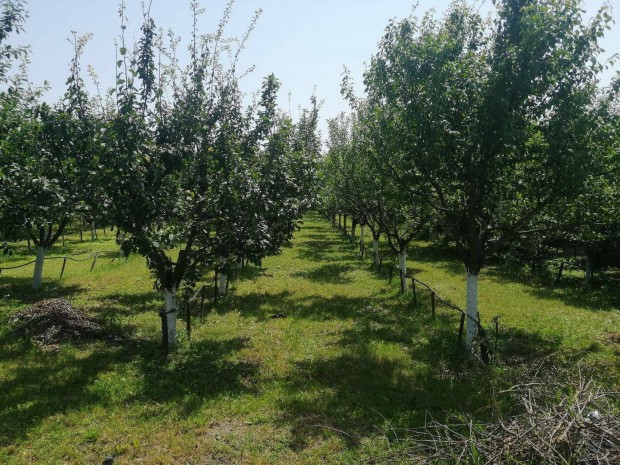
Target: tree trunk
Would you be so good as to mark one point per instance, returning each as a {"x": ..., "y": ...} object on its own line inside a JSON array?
[
  {"x": 345, "y": 223},
  {"x": 221, "y": 289},
  {"x": 223, "y": 278},
  {"x": 472, "y": 309},
  {"x": 339, "y": 220},
  {"x": 375, "y": 250},
  {"x": 38, "y": 268},
  {"x": 403, "y": 270},
  {"x": 93, "y": 232},
  {"x": 362, "y": 233},
  {"x": 587, "y": 282},
  {"x": 171, "y": 315}
]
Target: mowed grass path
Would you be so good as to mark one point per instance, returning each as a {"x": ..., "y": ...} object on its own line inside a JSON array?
[{"x": 350, "y": 364}]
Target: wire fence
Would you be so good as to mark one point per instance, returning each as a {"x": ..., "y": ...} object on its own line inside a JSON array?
[
  {"x": 435, "y": 298},
  {"x": 199, "y": 295},
  {"x": 94, "y": 256}
]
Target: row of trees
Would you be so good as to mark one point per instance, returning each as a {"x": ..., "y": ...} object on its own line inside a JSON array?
[
  {"x": 171, "y": 158},
  {"x": 490, "y": 131}
]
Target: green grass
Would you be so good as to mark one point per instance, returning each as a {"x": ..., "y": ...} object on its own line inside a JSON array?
[{"x": 351, "y": 363}]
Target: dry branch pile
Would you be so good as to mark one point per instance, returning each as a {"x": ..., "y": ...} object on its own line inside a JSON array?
[
  {"x": 54, "y": 321},
  {"x": 582, "y": 427}
]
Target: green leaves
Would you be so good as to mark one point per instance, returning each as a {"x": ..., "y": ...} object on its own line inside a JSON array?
[{"x": 496, "y": 117}]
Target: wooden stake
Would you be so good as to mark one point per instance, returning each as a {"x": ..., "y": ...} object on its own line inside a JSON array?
[
  {"x": 94, "y": 261},
  {"x": 202, "y": 300},
  {"x": 462, "y": 325},
  {"x": 62, "y": 271}
]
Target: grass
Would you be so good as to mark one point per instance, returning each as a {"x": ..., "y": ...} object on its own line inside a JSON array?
[{"x": 351, "y": 362}]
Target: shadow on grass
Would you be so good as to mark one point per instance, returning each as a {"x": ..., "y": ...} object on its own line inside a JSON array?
[
  {"x": 369, "y": 388},
  {"x": 605, "y": 297},
  {"x": 118, "y": 304},
  {"x": 332, "y": 273},
  {"x": 203, "y": 371},
  {"x": 517, "y": 346},
  {"x": 363, "y": 390},
  {"x": 46, "y": 384},
  {"x": 250, "y": 273},
  {"x": 315, "y": 308},
  {"x": 326, "y": 249},
  {"x": 18, "y": 290},
  {"x": 440, "y": 257}
]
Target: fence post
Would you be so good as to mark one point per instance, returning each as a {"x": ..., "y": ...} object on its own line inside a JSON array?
[
  {"x": 188, "y": 319},
  {"x": 433, "y": 304},
  {"x": 62, "y": 270},
  {"x": 462, "y": 325},
  {"x": 559, "y": 275},
  {"x": 202, "y": 300},
  {"x": 215, "y": 288},
  {"x": 94, "y": 261},
  {"x": 415, "y": 296}
]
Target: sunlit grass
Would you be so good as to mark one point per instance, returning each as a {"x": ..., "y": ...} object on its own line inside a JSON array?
[{"x": 350, "y": 355}]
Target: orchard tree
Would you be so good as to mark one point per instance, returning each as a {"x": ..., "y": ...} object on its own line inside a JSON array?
[
  {"x": 161, "y": 160},
  {"x": 287, "y": 155},
  {"x": 12, "y": 18},
  {"x": 185, "y": 175},
  {"x": 401, "y": 213},
  {"x": 339, "y": 165},
  {"x": 48, "y": 170},
  {"x": 591, "y": 218},
  {"x": 15, "y": 118},
  {"x": 496, "y": 119},
  {"x": 306, "y": 151},
  {"x": 348, "y": 187}
]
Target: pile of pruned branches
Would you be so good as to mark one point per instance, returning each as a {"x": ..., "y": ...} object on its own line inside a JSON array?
[
  {"x": 55, "y": 321},
  {"x": 577, "y": 427}
]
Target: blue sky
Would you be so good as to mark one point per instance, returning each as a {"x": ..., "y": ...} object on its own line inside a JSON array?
[{"x": 305, "y": 43}]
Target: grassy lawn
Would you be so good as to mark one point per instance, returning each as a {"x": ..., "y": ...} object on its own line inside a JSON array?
[{"x": 350, "y": 365}]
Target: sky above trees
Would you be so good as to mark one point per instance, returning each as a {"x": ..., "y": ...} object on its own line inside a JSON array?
[{"x": 306, "y": 44}]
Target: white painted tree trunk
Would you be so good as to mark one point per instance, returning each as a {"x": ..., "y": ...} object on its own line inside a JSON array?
[
  {"x": 403, "y": 270},
  {"x": 375, "y": 251},
  {"x": 172, "y": 309},
  {"x": 221, "y": 288},
  {"x": 38, "y": 268},
  {"x": 472, "y": 309}
]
